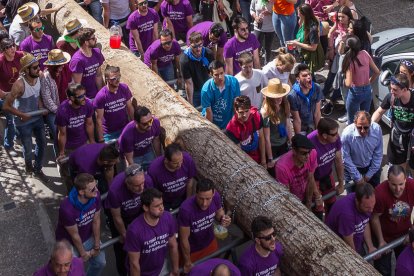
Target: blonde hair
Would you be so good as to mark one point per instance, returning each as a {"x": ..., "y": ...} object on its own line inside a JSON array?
[{"x": 284, "y": 57}]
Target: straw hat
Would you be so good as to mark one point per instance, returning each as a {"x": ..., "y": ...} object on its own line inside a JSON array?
[
  {"x": 57, "y": 57},
  {"x": 276, "y": 89},
  {"x": 27, "y": 12},
  {"x": 28, "y": 59},
  {"x": 73, "y": 25}
]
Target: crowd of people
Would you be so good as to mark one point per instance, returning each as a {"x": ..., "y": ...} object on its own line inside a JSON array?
[{"x": 266, "y": 101}]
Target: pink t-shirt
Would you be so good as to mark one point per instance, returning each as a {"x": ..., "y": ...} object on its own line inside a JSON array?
[
  {"x": 296, "y": 179},
  {"x": 360, "y": 74}
]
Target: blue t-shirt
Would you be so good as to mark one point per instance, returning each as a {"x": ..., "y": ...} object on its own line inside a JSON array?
[{"x": 221, "y": 103}]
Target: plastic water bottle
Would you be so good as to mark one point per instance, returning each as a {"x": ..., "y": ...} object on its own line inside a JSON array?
[{"x": 116, "y": 36}]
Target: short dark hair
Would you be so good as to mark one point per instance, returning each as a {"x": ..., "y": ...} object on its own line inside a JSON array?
[
  {"x": 326, "y": 125},
  {"x": 195, "y": 37},
  {"x": 362, "y": 113},
  {"x": 148, "y": 196},
  {"x": 215, "y": 64},
  {"x": 72, "y": 88},
  {"x": 403, "y": 81},
  {"x": 84, "y": 35},
  {"x": 299, "y": 68},
  {"x": 165, "y": 32},
  {"x": 204, "y": 185},
  {"x": 216, "y": 29},
  {"x": 111, "y": 69},
  {"x": 363, "y": 190},
  {"x": 237, "y": 21},
  {"x": 5, "y": 43},
  {"x": 109, "y": 152},
  {"x": 140, "y": 111},
  {"x": 82, "y": 180},
  {"x": 3, "y": 34},
  {"x": 171, "y": 149},
  {"x": 395, "y": 170},
  {"x": 259, "y": 224},
  {"x": 242, "y": 102}
]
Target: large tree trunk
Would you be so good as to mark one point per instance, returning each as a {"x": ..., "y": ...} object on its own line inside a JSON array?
[{"x": 310, "y": 247}]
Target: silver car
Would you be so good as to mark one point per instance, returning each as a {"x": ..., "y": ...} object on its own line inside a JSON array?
[{"x": 388, "y": 49}]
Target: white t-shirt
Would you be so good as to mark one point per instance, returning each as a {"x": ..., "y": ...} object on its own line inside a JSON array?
[
  {"x": 252, "y": 87},
  {"x": 270, "y": 71},
  {"x": 119, "y": 9}
]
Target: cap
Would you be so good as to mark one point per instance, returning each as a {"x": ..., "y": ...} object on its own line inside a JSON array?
[
  {"x": 132, "y": 170},
  {"x": 301, "y": 141}
]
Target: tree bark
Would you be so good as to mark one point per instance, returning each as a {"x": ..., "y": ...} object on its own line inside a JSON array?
[{"x": 310, "y": 247}]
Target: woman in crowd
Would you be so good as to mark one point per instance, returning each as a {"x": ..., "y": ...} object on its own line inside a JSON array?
[
  {"x": 277, "y": 128},
  {"x": 261, "y": 12},
  {"x": 284, "y": 19},
  {"x": 280, "y": 67},
  {"x": 357, "y": 66},
  {"x": 407, "y": 68}
]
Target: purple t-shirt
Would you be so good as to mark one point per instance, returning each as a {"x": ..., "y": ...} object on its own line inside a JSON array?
[
  {"x": 69, "y": 216},
  {"x": 205, "y": 268},
  {"x": 76, "y": 269},
  {"x": 74, "y": 121},
  {"x": 138, "y": 142},
  {"x": 405, "y": 262},
  {"x": 177, "y": 14},
  {"x": 38, "y": 48},
  {"x": 88, "y": 67},
  {"x": 234, "y": 48},
  {"x": 173, "y": 185},
  {"x": 199, "y": 221},
  {"x": 344, "y": 219},
  {"x": 114, "y": 105},
  {"x": 144, "y": 25},
  {"x": 84, "y": 159},
  {"x": 120, "y": 197},
  {"x": 204, "y": 29},
  {"x": 251, "y": 263},
  {"x": 156, "y": 52},
  {"x": 151, "y": 242},
  {"x": 325, "y": 154}
]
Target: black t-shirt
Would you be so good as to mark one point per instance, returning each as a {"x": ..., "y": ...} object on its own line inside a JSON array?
[
  {"x": 402, "y": 114},
  {"x": 195, "y": 70}
]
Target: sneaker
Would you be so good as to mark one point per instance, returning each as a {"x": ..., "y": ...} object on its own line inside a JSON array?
[
  {"x": 29, "y": 169},
  {"x": 327, "y": 109},
  {"x": 343, "y": 118},
  {"x": 41, "y": 176},
  {"x": 11, "y": 152}
]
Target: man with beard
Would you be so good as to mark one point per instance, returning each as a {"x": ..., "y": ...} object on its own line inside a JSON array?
[
  {"x": 305, "y": 101},
  {"x": 242, "y": 41},
  {"x": 178, "y": 15},
  {"x": 246, "y": 129},
  {"x": 195, "y": 220},
  {"x": 113, "y": 106},
  {"x": 173, "y": 174},
  {"x": 391, "y": 217},
  {"x": 143, "y": 27},
  {"x": 37, "y": 43},
  {"x": 149, "y": 235},
  {"x": 264, "y": 255},
  {"x": 62, "y": 262},
  {"x": 194, "y": 66},
  {"x": 10, "y": 68},
  {"x": 23, "y": 99},
  {"x": 140, "y": 140},
  {"x": 86, "y": 63},
  {"x": 79, "y": 222},
  {"x": 123, "y": 205}
]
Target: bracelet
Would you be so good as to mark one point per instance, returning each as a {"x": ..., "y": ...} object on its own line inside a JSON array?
[{"x": 269, "y": 159}]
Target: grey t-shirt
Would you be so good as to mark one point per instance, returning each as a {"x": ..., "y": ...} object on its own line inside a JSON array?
[{"x": 119, "y": 9}]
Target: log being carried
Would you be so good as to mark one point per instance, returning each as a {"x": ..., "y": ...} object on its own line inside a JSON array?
[{"x": 310, "y": 247}]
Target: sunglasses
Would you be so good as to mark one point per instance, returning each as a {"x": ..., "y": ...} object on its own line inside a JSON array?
[
  {"x": 94, "y": 189},
  {"x": 362, "y": 127},
  {"x": 196, "y": 46},
  {"x": 36, "y": 30},
  {"x": 80, "y": 96},
  {"x": 166, "y": 43},
  {"x": 92, "y": 38},
  {"x": 9, "y": 47},
  {"x": 268, "y": 237},
  {"x": 333, "y": 134},
  {"x": 243, "y": 29},
  {"x": 149, "y": 123},
  {"x": 304, "y": 153},
  {"x": 145, "y": 3},
  {"x": 115, "y": 78},
  {"x": 34, "y": 67}
]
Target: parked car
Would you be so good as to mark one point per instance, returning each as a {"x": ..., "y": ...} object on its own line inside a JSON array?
[{"x": 388, "y": 49}]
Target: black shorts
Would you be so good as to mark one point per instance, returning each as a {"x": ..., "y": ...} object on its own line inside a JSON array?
[{"x": 397, "y": 151}]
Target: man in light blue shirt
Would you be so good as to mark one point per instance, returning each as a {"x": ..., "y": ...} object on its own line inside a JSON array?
[
  {"x": 362, "y": 150},
  {"x": 218, "y": 94}
]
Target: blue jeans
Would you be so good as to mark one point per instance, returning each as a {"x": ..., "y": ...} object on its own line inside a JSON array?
[
  {"x": 167, "y": 73},
  {"x": 95, "y": 9},
  {"x": 245, "y": 10},
  {"x": 359, "y": 98},
  {"x": 95, "y": 264},
  {"x": 9, "y": 130},
  {"x": 284, "y": 26},
  {"x": 196, "y": 98},
  {"x": 145, "y": 160},
  {"x": 50, "y": 122},
  {"x": 37, "y": 128}
]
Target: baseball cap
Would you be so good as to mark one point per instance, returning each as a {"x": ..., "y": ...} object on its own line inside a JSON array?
[{"x": 301, "y": 141}]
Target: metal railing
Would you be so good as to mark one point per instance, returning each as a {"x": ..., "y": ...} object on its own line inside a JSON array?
[
  {"x": 388, "y": 246},
  {"x": 333, "y": 193}
]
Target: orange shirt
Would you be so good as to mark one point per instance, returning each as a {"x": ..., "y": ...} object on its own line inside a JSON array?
[{"x": 283, "y": 7}]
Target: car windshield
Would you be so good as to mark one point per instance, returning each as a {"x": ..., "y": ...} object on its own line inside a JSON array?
[{"x": 404, "y": 46}]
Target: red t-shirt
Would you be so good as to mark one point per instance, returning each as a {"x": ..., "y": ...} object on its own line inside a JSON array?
[
  {"x": 396, "y": 212},
  {"x": 9, "y": 71},
  {"x": 244, "y": 133}
]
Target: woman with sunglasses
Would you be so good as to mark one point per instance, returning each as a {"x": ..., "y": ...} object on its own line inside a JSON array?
[{"x": 407, "y": 68}]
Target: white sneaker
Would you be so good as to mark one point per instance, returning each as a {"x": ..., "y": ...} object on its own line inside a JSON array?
[{"x": 343, "y": 118}]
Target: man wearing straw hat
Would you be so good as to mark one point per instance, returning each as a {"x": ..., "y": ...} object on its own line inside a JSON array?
[
  {"x": 23, "y": 99},
  {"x": 68, "y": 42},
  {"x": 19, "y": 28}
]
